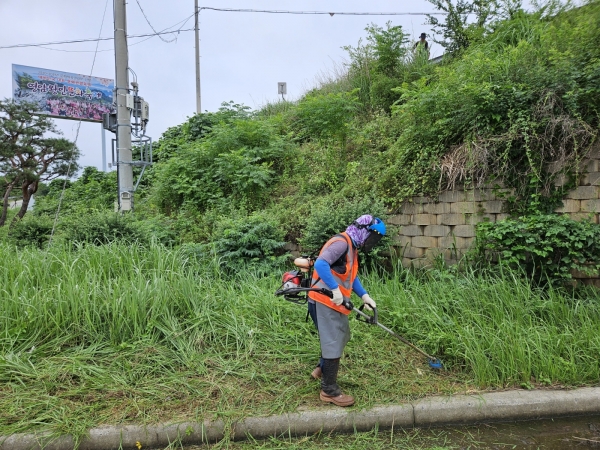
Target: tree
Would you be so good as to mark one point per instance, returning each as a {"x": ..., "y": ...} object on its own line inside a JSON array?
[
  {"x": 379, "y": 65},
  {"x": 389, "y": 47},
  {"x": 93, "y": 191},
  {"x": 27, "y": 156},
  {"x": 457, "y": 33}
]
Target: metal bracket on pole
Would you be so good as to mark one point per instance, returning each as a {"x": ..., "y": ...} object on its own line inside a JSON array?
[
  {"x": 103, "y": 149},
  {"x": 144, "y": 145}
]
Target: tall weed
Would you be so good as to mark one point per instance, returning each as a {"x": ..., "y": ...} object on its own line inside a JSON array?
[
  {"x": 508, "y": 107},
  {"x": 132, "y": 334}
]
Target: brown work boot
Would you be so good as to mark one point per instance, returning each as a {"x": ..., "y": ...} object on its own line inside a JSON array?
[
  {"x": 339, "y": 400},
  {"x": 317, "y": 373}
]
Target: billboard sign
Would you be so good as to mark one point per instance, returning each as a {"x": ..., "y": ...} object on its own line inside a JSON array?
[{"x": 62, "y": 94}]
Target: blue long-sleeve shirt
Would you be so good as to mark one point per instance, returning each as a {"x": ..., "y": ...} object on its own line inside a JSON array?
[{"x": 324, "y": 270}]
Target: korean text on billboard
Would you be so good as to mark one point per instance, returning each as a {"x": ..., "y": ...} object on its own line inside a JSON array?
[{"x": 62, "y": 94}]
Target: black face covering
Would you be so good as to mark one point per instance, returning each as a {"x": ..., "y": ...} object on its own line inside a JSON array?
[{"x": 372, "y": 240}]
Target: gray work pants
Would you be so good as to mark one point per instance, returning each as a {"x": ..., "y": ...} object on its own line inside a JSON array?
[{"x": 334, "y": 331}]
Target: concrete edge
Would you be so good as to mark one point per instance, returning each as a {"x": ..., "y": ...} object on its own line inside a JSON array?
[
  {"x": 434, "y": 411},
  {"x": 506, "y": 406}
]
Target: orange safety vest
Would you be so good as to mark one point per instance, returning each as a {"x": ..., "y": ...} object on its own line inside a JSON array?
[{"x": 344, "y": 280}]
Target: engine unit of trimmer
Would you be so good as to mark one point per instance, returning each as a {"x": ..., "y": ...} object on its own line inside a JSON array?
[{"x": 296, "y": 283}]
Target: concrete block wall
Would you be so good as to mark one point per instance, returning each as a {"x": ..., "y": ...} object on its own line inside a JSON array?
[
  {"x": 445, "y": 226},
  {"x": 442, "y": 227}
]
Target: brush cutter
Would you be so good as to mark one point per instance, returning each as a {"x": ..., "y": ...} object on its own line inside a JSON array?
[
  {"x": 433, "y": 362},
  {"x": 296, "y": 284}
]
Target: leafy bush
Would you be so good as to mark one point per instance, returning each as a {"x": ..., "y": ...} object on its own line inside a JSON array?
[
  {"x": 31, "y": 231},
  {"x": 197, "y": 128},
  {"x": 101, "y": 228},
  {"x": 376, "y": 136},
  {"x": 389, "y": 47},
  {"x": 378, "y": 65},
  {"x": 252, "y": 242},
  {"x": 155, "y": 228},
  {"x": 238, "y": 161},
  {"x": 92, "y": 191},
  {"x": 325, "y": 117},
  {"x": 332, "y": 216},
  {"x": 545, "y": 246},
  {"x": 383, "y": 92}
]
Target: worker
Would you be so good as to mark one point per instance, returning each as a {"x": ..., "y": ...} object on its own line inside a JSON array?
[
  {"x": 422, "y": 45},
  {"x": 336, "y": 269}
]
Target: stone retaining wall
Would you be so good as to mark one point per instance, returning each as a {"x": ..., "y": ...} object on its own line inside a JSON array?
[{"x": 445, "y": 226}]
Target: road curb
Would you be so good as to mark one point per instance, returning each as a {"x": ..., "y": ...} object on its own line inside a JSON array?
[
  {"x": 506, "y": 406},
  {"x": 432, "y": 411}
]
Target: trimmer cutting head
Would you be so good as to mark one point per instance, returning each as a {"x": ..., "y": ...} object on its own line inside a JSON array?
[{"x": 435, "y": 364}]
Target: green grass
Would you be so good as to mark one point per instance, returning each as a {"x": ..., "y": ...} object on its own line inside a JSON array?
[
  {"x": 127, "y": 334},
  {"x": 499, "y": 328}
]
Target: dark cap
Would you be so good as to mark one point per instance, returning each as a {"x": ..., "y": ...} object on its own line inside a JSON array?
[{"x": 423, "y": 35}]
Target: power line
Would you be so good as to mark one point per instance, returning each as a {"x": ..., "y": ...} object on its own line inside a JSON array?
[
  {"x": 62, "y": 193},
  {"x": 163, "y": 31},
  {"x": 266, "y": 11},
  {"x": 75, "y": 51},
  {"x": 92, "y": 51},
  {"x": 147, "y": 20},
  {"x": 77, "y": 41},
  {"x": 331, "y": 13}
]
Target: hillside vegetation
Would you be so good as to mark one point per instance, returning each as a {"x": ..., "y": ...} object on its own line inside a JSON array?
[
  {"x": 523, "y": 94},
  {"x": 169, "y": 314}
]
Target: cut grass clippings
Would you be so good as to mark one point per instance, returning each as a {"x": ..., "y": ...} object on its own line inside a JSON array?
[{"x": 125, "y": 334}]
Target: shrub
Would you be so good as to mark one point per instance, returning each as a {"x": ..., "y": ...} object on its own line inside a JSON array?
[
  {"x": 197, "y": 127},
  {"x": 238, "y": 161},
  {"x": 332, "y": 216},
  {"x": 101, "y": 228},
  {"x": 326, "y": 117},
  {"x": 376, "y": 66},
  {"x": 31, "y": 231},
  {"x": 92, "y": 191},
  {"x": 383, "y": 93},
  {"x": 389, "y": 47},
  {"x": 375, "y": 136},
  {"x": 252, "y": 242},
  {"x": 156, "y": 228},
  {"x": 545, "y": 246}
]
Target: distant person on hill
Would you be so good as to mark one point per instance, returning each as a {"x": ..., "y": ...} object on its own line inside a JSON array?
[{"x": 422, "y": 45}]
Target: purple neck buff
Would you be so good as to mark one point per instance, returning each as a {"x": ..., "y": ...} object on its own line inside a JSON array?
[{"x": 359, "y": 235}]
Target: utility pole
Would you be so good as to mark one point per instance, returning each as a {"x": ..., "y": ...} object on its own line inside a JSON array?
[
  {"x": 124, "y": 157},
  {"x": 198, "y": 103},
  {"x": 103, "y": 148}
]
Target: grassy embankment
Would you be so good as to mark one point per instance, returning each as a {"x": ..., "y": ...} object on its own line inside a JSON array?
[
  {"x": 125, "y": 334},
  {"x": 131, "y": 334}
]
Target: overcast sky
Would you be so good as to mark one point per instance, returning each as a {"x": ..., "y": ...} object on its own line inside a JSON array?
[{"x": 243, "y": 55}]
